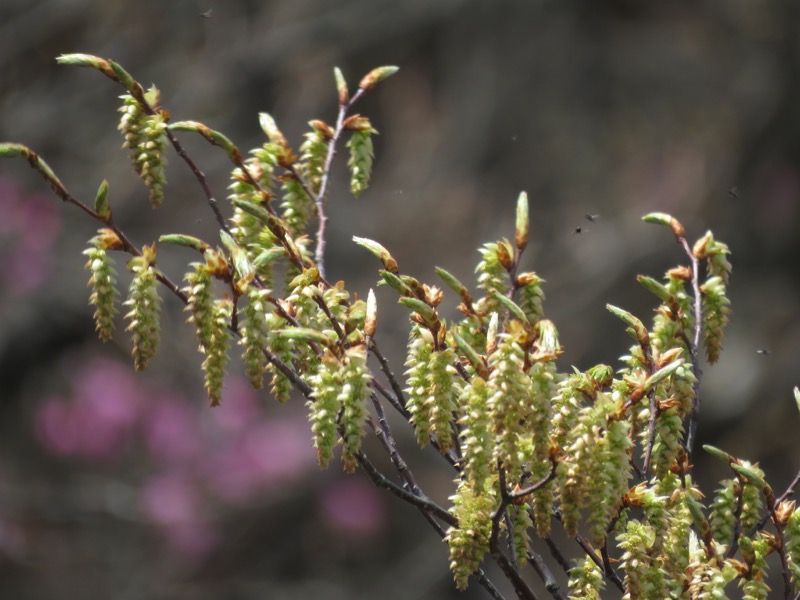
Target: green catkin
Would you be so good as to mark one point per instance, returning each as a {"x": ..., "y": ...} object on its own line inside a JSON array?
[
  {"x": 104, "y": 291},
  {"x": 715, "y": 310},
  {"x": 476, "y": 433},
  {"x": 723, "y": 513},
  {"x": 313, "y": 152},
  {"x": 250, "y": 233},
  {"x": 255, "y": 333},
  {"x": 143, "y": 317},
  {"x": 755, "y": 551},
  {"x": 296, "y": 206},
  {"x": 131, "y": 124},
  {"x": 667, "y": 444},
  {"x": 418, "y": 363},
  {"x": 643, "y": 576},
  {"x": 492, "y": 274},
  {"x": 593, "y": 469},
  {"x": 281, "y": 386},
  {"x": 611, "y": 485},
  {"x": 675, "y": 535},
  {"x": 586, "y": 581},
  {"x": 469, "y": 542},
  {"x": 360, "y": 160},
  {"x": 531, "y": 296},
  {"x": 324, "y": 409},
  {"x": 716, "y": 253},
  {"x": 200, "y": 305},
  {"x": 752, "y": 500},
  {"x": 508, "y": 403},
  {"x": 521, "y": 523},
  {"x": 146, "y": 140},
  {"x": 573, "y": 393},
  {"x": 709, "y": 578},
  {"x": 542, "y": 389},
  {"x": 443, "y": 390},
  {"x": 217, "y": 350},
  {"x": 353, "y": 399},
  {"x": 792, "y": 533},
  {"x": 152, "y": 157}
]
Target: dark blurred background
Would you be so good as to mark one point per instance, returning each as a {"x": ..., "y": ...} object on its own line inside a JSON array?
[{"x": 119, "y": 485}]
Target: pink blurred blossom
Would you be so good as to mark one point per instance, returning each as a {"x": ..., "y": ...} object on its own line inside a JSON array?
[
  {"x": 13, "y": 540},
  {"x": 172, "y": 502},
  {"x": 55, "y": 426},
  {"x": 97, "y": 422},
  {"x": 28, "y": 230},
  {"x": 271, "y": 453},
  {"x": 353, "y": 507},
  {"x": 240, "y": 406},
  {"x": 170, "y": 498},
  {"x": 170, "y": 431}
]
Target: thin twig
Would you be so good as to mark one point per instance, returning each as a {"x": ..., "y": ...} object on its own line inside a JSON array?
[
  {"x": 201, "y": 178},
  {"x": 604, "y": 562},
  {"x": 651, "y": 434},
  {"x": 398, "y": 390},
  {"x": 386, "y": 438},
  {"x": 694, "y": 349},
  {"x": 391, "y": 398},
  {"x": 420, "y": 502},
  {"x": 319, "y": 199},
  {"x": 511, "y": 572},
  {"x": 539, "y": 484}
]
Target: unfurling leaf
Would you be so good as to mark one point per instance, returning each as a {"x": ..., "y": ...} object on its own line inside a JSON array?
[
  {"x": 521, "y": 230},
  {"x": 375, "y": 76}
]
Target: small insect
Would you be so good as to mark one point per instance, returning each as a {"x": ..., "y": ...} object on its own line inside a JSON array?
[
  {"x": 578, "y": 231},
  {"x": 206, "y": 14},
  {"x": 591, "y": 218},
  {"x": 764, "y": 351},
  {"x": 734, "y": 192}
]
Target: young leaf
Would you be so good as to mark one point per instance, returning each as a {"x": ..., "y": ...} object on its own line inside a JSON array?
[
  {"x": 521, "y": 230},
  {"x": 375, "y": 76},
  {"x": 389, "y": 263}
]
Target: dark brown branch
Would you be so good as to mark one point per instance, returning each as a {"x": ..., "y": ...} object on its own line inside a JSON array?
[
  {"x": 421, "y": 502},
  {"x": 546, "y": 575},
  {"x": 556, "y": 552},
  {"x": 539, "y": 484},
  {"x": 383, "y": 431},
  {"x": 387, "y": 371},
  {"x": 604, "y": 563},
  {"x": 390, "y": 397}
]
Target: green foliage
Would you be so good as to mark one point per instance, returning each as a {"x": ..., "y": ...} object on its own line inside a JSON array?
[{"x": 602, "y": 455}]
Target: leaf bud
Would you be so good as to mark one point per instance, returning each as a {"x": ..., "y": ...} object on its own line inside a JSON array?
[
  {"x": 371, "y": 322},
  {"x": 785, "y": 510},
  {"x": 101, "y": 202},
  {"x": 107, "y": 239},
  {"x": 521, "y": 231},
  {"x": 341, "y": 86},
  {"x": 375, "y": 76},
  {"x": 665, "y": 219}
]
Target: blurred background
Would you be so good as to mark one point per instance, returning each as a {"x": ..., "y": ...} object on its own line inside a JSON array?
[{"x": 122, "y": 485}]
